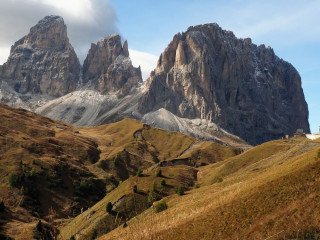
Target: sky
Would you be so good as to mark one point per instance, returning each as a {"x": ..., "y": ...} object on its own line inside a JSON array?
[{"x": 290, "y": 27}]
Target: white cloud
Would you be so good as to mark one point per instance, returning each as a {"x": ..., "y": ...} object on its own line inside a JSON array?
[
  {"x": 4, "y": 53},
  {"x": 147, "y": 61},
  {"x": 73, "y": 8},
  {"x": 87, "y": 20}
]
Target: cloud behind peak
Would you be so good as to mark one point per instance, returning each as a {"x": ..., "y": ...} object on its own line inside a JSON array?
[{"x": 87, "y": 21}]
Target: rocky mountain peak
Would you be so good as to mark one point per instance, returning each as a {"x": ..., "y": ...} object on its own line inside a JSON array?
[
  {"x": 208, "y": 73},
  {"x": 43, "y": 62},
  {"x": 109, "y": 67},
  {"x": 50, "y": 33}
]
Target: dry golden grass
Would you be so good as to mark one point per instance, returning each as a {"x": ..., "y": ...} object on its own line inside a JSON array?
[
  {"x": 82, "y": 225},
  {"x": 32, "y": 142},
  {"x": 270, "y": 190}
]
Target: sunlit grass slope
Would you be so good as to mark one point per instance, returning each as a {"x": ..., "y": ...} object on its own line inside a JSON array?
[
  {"x": 51, "y": 171},
  {"x": 269, "y": 192}
]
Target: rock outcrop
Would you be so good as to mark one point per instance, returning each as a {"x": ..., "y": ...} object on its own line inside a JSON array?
[
  {"x": 246, "y": 89},
  {"x": 109, "y": 67},
  {"x": 43, "y": 62}
]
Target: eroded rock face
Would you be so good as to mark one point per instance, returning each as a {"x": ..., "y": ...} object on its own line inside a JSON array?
[
  {"x": 208, "y": 73},
  {"x": 44, "y": 61},
  {"x": 109, "y": 67}
]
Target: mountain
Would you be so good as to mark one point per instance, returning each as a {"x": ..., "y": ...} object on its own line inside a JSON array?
[
  {"x": 41, "y": 63},
  {"x": 52, "y": 171},
  {"x": 208, "y": 73},
  {"x": 208, "y": 84},
  {"x": 108, "y": 65}
]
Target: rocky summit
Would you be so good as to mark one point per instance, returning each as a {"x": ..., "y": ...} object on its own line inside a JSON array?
[
  {"x": 43, "y": 62},
  {"x": 109, "y": 67},
  {"x": 208, "y": 73}
]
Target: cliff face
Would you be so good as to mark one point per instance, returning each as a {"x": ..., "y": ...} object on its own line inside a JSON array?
[
  {"x": 109, "y": 67},
  {"x": 208, "y": 73},
  {"x": 44, "y": 61}
]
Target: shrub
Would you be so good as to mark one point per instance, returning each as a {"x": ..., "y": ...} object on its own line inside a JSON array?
[
  {"x": 152, "y": 195},
  {"x": 161, "y": 206},
  {"x": 159, "y": 173},
  {"x": 72, "y": 238},
  {"x": 103, "y": 165},
  {"x": 32, "y": 173},
  {"x": 139, "y": 173},
  {"x": 39, "y": 226},
  {"x": 220, "y": 179},
  {"x": 163, "y": 182},
  {"x": 13, "y": 180},
  {"x": 154, "y": 187},
  {"x": 125, "y": 224},
  {"x": 75, "y": 212},
  {"x": 90, "y": 187},
  {"x": 116, "y": 160},
  {"x": 38, "y": 231},
  {"x": 180, "y": 190},
  {"x": 109, "y": 207},
  {"x": 2, "y": 207},
  {"x": 22, "y": 191},
  {"x": 94, "y": 234},
  {"x": 135, "y": 188}
]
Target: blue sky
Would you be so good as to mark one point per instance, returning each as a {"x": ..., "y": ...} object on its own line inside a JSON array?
[{"x": 291, "y": 28}]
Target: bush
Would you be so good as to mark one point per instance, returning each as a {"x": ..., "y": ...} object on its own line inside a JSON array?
[
  {"x": 135, "y": 188},
  {"x": 42, "y": 231},
  {"x": 22, "y": 191},
  {"x": 94, "y": 234},
  {"x": 38, "y": 231},
  {"x": 219, "y": 180},
  {"x": 39, "y": 226},
  {"x": 163, "y": 182},
  {"x": 72, "y": 238},
  {"x": 154, "y": 187},
  {"x": 151, "y": 197},
  {"x": 32, "y": 173},
  {"x": 139, "y": 173},
  {"x": 159, "y": 173},
  {"x": 103, "y": 165},
  {"x": 90, "y": 187},
  {"x": 125, "y": 224},
  {"x": 75, "y": 212},
  {"x": 180, "y": 190},
  {"x": 161, "y": 206},
  {"x": 14, "y": 180},
  {"x": 109, "y": 207},
  {"x": 2, "y": 207},
  {"x": 116, "y": 160}
]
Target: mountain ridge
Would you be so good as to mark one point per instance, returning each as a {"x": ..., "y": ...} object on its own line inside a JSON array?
[
  {"x": 208, "y": 73},
  {"x": 207, "y": 83}
]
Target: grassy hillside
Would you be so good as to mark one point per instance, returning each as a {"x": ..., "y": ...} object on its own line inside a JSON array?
[
  {"x": 125, "y": 181},
  {"x": 268, "y": 192},
  {"x": 51, "y": 171}
]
